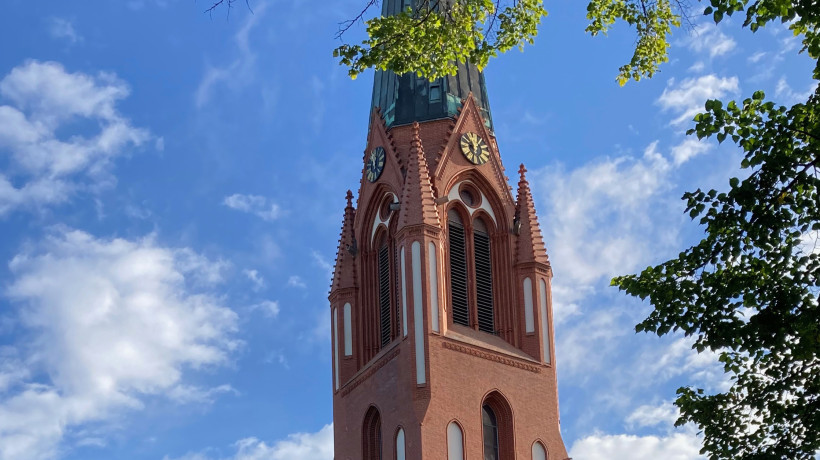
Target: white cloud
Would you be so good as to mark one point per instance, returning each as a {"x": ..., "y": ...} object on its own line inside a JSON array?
[
  {"x": 63, "y": 29},
  {"x": 321, "y": 262},
  {"x": 788, "y": 95},
  {"x": 687, "y": 98},
  {"x": 598, "y": 214},
  {"x": 677, "y": 446},
  {"x": 755, "y": 58},
  {"x": 269, "y": 308},
  {"x": 295, "y": 281},
  {"x": 239, "y": 73},
  {"x": 45, "y": 168},
  {"x": 649, "y": 415},
  {"x": 298, "y": 446},
  {"x": 708, "y": 38},
  {"x": 254, "y": 204},
  {"x": 688, "y": 149},
  {"x": 111, "y": 322},
  {"x": 255, "y": 278}
]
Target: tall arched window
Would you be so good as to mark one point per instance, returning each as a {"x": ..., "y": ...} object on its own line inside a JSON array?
[
  {"x": 455, "y": 442},
  {"x": 458, "y": 269},
  {"x": 489, "y": 424},
  {"x": 497, "y": 428},
  {"x": 471, "y": 272},
  {"x": 483, "y": 277},
  {"x": 372, "y": 435},
  {"x": 400, "y": 453},
  {"x": 538, "y": 451}
]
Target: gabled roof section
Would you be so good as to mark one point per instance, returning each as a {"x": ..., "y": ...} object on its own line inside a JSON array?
[
  {"x": 470, "y": 119},
  {"x": 344, "y": 274},
  {"x": 418, "y": 204},
  {"x": 530, "y": 242}
]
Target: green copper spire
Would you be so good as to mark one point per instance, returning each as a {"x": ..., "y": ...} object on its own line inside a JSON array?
[{"x": 404, "y": 99}]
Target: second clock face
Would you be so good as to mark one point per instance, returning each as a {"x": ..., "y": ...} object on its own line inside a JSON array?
[
  {"x": 474, "y": 148},
  {"x": 375, "y": 164}
]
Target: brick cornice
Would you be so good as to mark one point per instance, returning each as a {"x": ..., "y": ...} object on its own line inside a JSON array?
[{"x": 490, "y": 356}]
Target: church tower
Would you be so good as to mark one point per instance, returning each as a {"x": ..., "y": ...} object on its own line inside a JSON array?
[{"x": 440, "y": 302}]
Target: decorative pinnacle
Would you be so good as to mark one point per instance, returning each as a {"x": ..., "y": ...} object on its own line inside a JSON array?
[
  {"x": 530, "y": 242},
  {"x": 349, "y": 199}
]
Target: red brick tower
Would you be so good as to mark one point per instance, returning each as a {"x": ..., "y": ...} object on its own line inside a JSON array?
[{"x": 441, "y": 304}]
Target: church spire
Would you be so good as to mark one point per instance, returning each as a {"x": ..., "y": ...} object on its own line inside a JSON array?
[
  {"x": 418, "y": 204},
  {"x": 344, "y": 275},
  {"x": 530, "y": 243},
  {"x": 404, "y": 99}
]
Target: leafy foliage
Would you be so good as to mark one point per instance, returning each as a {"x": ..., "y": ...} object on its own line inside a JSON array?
[
  {"x": 750, "y": 289},
  {"x": 430, "y": 38}
]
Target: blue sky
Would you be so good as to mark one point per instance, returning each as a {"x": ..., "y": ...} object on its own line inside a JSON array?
[{"x": 171, "y": 192}]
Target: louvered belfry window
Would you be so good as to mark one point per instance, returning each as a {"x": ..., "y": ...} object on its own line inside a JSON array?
[
  {"x": 384, "y": 295},
  {"x": 483, "y": 278},
  {"x": 458, "y": 270}
]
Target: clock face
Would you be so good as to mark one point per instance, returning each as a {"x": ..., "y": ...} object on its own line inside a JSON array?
[
  {"x": 474, "y": 148},
  {"x": 375, "y": 164}
]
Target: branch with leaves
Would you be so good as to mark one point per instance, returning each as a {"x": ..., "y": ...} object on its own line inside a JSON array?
[{"x": 433, "y": 37}]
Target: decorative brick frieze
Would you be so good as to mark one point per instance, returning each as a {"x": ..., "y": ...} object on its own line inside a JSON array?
[{"x": 466, "y": 349}]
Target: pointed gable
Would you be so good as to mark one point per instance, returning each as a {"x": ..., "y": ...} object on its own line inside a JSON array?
[
  {"x": 530, "y": 243},
  {"x": 344, "y": 274},
  {"x": 452, "y": 161},
  {"x": 417, "y": 200}
]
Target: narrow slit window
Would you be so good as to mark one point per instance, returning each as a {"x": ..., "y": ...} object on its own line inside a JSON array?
[{"x": 384, "y": 295}]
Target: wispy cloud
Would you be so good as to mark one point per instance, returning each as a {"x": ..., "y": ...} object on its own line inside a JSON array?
[
  {"x": 238, "y": 73},
  {"x": 269, "y": 308},
  {"x": 47, "y": 166},
  {"x": 298, "y": 446},
  {"x": 707, "y": 38},
  {"x": 255, "y": 278},
  {"x": 63, "y": 29},
  {"x": 688, "y": 97},
  {"x": 788, "y": 95},
  {"x": 254, "y": 204},
  {"x": 297, "y": 282}
]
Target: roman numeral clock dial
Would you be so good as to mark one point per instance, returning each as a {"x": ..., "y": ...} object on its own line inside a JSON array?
[
  {"x": 474, "y": 148},
  {"x": 375, "y": 164}
]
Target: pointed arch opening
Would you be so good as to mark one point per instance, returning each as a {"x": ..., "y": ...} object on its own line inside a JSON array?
[
  {"x": 471, "y": 268},
  {"x": 400, "y": 447},
  {"x": 455, "y": 441},
  {"x": 372, "y": 435},
  {"x": 539, "y": 452},
  {"x": 497, "y": 428}
]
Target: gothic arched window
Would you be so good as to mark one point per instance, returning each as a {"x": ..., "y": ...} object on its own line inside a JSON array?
[
  {"x": 538, "y": 451},
  {"x": 471, "y": 272},
  {"x": 489, "y": 424},
  {"x": 372, "y": 435},
  {"x": 497, "y": 428}
]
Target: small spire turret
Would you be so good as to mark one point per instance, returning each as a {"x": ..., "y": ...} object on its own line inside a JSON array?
[{"x": 530, "y": 242}]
